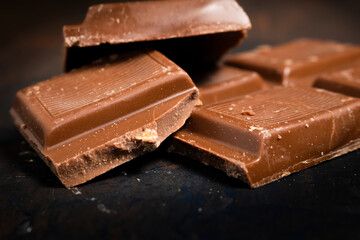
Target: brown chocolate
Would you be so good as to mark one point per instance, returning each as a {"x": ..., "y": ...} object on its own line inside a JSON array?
[
  {"x": 93, "y": 119},
  {"x": 297, "y": 63},
  {"x": 178, "y": 29},
  {"x": 346, "y": 81},
  {"x": 225, "y": 82},
  {"x": 265, "y": 136}
]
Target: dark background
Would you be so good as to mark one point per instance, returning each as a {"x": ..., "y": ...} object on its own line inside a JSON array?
[{"x": 160, "y": 195}]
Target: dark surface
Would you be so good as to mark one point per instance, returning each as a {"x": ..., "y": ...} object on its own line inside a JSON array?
[{"x": 163, "y": 195}]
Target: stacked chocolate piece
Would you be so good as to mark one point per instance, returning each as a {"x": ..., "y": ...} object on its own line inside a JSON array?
[{"x": 129, "y": 86}]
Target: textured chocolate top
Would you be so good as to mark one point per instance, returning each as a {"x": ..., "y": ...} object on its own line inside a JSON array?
[
  {"x": 264, "y": 136},
  {"x": 73, "y": 91},
  {"x": 298, "y": 62},
  {"x": 178, "y": 29},
  {"x": 346, "y": 81}
]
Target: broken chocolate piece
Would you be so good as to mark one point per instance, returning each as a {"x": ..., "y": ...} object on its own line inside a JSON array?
[
  {"x": 291, "y": 129},
  {"x": 93, "y": 119},
  {"x": 224, "y": 83},
  {"x": 346, "y": 81},
  {"x": 297, "y": 63},
  {"x": 178, "y": 29}
]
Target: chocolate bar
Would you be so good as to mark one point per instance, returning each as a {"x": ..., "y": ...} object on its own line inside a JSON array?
[
  {"x": 265, "y": 136},
  {"x": 225, "y": 82},
  {"x": 346, "y": 81},
  {"x": 297, "y": 63},
  {"x": 93, "y": 119},
  {"x": 178, "y": 29}
]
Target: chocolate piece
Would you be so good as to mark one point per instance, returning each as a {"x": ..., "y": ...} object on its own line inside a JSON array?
[
  {"x": 346, "y": 81},
  {"x": 264, "y": 136},
  {"x": 93, "y": 119},
  {"x": 297, "y": 63},
  {"x": 225, "y": 82},
  {"x": 178, "y": 29}
]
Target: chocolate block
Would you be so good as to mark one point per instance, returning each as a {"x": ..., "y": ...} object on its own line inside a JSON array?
[
  {"x": 223, "y": 83},
  {"x": 93, "y": 119},
  {"x": 204, "y": 30},
  {"x": 268, "y": 135},
  {"x": 297, "y": 63},
  {"x": 346, "y": 81}
]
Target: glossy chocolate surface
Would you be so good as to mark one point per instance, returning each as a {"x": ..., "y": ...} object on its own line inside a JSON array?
[
  {"x": 85, "y": 122},
  {"x": 176, "y": 28},
  {"x": 297, "y": 63},
  {"x": 225, "y": 82},
  {"x": 346, "y": 81},
  {"x": 264, "y": 136}
]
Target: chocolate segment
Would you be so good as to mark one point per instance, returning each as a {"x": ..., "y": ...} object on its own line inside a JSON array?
[
  {"x": 297, "y": 63},
  {"x": 225, "y": 82},
  {"x": 346, "y": 81},
  {"x": 179, "y": 29},
  {"x": 268, "y": 135},
  {"x": 93, "y": 119}
]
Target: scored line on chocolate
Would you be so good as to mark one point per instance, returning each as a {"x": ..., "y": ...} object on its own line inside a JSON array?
[{"x": 58, "y": 103}]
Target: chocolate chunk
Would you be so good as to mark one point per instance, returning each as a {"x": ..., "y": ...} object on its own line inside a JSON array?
[
  {"x": 178, "y": 29},
  {"x": 223, "y": 83},
  {"x": 346, "y": 81},
  {"x": 297, "y": 63},
  {"x": 93, "y": 119},
  {"x": 291, "y": 129}
]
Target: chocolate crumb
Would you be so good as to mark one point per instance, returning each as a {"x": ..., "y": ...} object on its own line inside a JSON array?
[{"x": 248, "y": 112}]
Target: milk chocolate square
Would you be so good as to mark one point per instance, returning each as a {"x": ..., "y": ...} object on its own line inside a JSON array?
[
  {"x": 90, "y": 120},
  {"x": 297, "y": 63},
  {"x": 265, "y": 136},
  {"x": 346, "y": 81}
]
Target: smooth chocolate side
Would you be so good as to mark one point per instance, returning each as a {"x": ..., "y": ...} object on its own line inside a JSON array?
[
  {"x": 297, "y": 63},
  {"x": 265, "y": 136},
  {"x": 225, "y": 82},
  {"x": 90, "y": 120},
  {"x": 346, "y": 81},
  {"x": 178, "y": 29}
]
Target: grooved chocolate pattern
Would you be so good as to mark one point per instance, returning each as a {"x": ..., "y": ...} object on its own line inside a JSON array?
[
  {"x": 287, "y": 104},
  {"x": 78, "y": 89}
]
